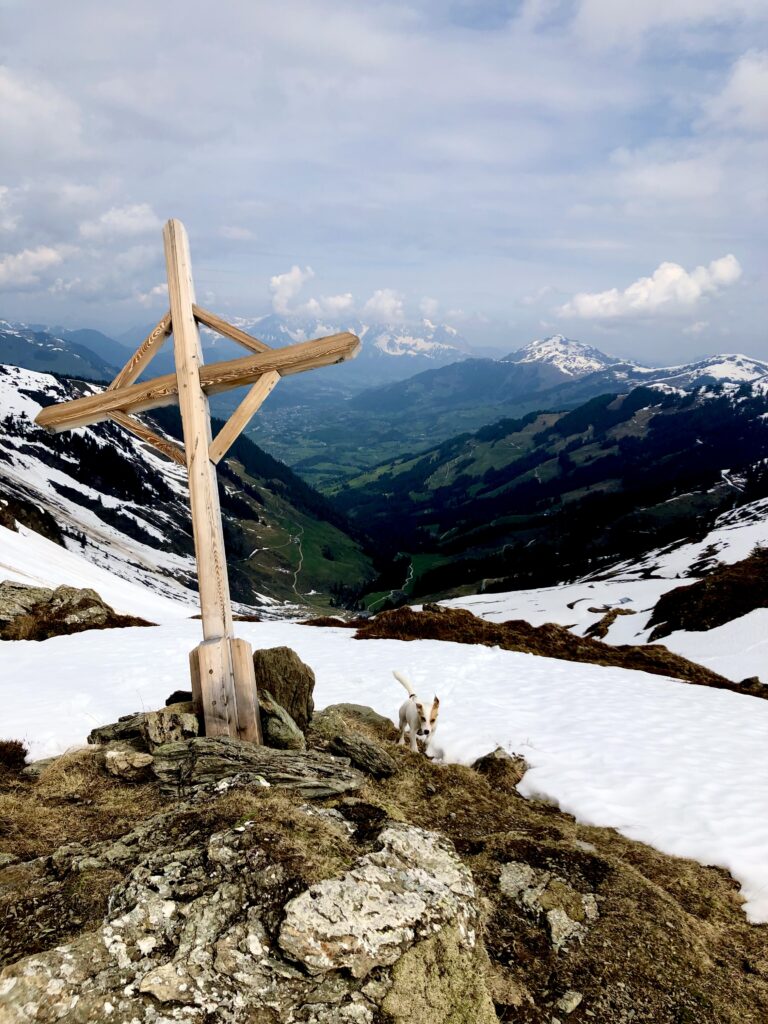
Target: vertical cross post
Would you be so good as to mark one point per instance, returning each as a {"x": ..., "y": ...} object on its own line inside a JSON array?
[{"x": 223, "y": 680}]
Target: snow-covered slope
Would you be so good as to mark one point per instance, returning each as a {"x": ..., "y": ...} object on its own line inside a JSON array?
[
  {"x": 737, "y": 650},
  {"x": 678, "y": 766},
  {"x": 147, "y": 541}
]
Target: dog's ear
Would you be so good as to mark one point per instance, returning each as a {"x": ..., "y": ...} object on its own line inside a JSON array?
[
  {"x": 436, "y": 703},
  {"x": 420, "y": 707}
]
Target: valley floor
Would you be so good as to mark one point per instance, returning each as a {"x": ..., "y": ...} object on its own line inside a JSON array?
[{"x": 678, "y": 766}]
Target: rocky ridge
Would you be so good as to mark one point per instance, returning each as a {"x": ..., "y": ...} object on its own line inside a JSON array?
[{"x": 426, "y": 893}]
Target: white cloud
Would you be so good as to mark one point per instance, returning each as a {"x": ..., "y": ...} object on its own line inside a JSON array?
[
  {"x": 696, "y": 328},
  {"x": 385, "y": 305},
  {"x": 428, "y": 306},
  {"x": 35, "y": 118},
  {"x": 620, "y": 22},
  {"x": 743, "y": 103},
  {"x": 135, "y": 219},
  {"x": 330, "y": 305},
  {"x": 24, "y": 269},
  {"x": 285, "y": 287},
  {"x": 670, "y": 289},
  {"x": 150, "y": 298}
]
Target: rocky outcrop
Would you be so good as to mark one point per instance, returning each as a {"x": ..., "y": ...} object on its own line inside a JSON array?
[
  {"x": 338, "y": 729},
  {"x": 410, "y": 888},
  {"x": 278, "y": 728},
  {"x": 148, "y": 730},
  {"x": 184, "y": 767},
  {"x": 291, "y": 683},
  {"x": 212, "y": 931},
  {"x": 37, "y": 613},
  {"x": 502, "y": 768}
]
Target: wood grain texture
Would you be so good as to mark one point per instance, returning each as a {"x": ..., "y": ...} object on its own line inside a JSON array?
[
  {"x": 168, "y": 448},
  {"x": 307, "y": 355},
  {"x": 194, "y": 675},
  {"x": 242, "y": 415},
  {"x": 216, "y": 323},
  {"x": 217, "y": 688},
  {"x": 248, "y": 717},
  {"x": 143, "y": 355},
  {"x": 212, "y": 576}
]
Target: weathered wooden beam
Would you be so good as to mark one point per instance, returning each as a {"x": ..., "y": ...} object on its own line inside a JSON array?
[
  {"x": 151, "y": 394},
  {"x": 242, "y": 414},
  {"x": 143, "y": 355},
  {"x": 216, "y": 323},
  {"x": 169, "y": 448},
  {"x": 207, "y": 530}
]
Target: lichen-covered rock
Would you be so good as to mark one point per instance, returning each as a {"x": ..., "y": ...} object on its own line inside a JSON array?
[
  {"x": 409, "y": 889},
  {"x": 338, "y": 718},
  {"x": 183, "y": 767},
  {"x": 568, "y": 913},
  {"x": 282, "y": 672},
  {"x": 19, "y": 599},
  {"x": 147, "y": 730},
  {"x": 441, "y": 981},
  {"x": 193, "y": 934},
  {"x": 278, "y": 728},
  {"x": 127, "y": 764},
  {"x": 170, "y": 724}
]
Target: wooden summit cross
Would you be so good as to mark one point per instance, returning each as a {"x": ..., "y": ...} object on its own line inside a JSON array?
[{"x": 223, "y": 680}]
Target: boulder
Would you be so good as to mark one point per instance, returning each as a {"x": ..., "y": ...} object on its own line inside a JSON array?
[
  {"x": 502, "y": 768},
  {"x": 281, "y": 671},
  {"x": 279, "y": 729},
  {"x": 338, "y": 718},
  {"x": 170, "y": 724},
  {"x": 37, "y": 613},
  {"x": 129, "y": 765},
  {"x": 36, "y": 768},
  {"x": 183, "y": 767},
  {"x": 147, "y": 730},
  {"x": 364, "y": 754},
  {"x": 19, "y": 599},
  {"x": 410, "y": 888}
]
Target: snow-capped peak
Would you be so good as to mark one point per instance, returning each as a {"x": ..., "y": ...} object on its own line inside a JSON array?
[{"x": 572, "y": 358}]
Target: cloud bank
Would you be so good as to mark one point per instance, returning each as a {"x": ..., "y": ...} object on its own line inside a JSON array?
[{"x": 670, "y": 289}]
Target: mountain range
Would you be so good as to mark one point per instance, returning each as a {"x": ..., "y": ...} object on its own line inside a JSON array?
[
  {"x": 104, "y": 494},
  {"x": 553, "y": 495},
  {"x": 328, "y": 445}
]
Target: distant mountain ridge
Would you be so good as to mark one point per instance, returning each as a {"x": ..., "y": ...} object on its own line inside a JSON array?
[
  {"x": 124, "y": 507},
  {"x": 553, "y": 495},
  {"x": 411, "y": 415}
]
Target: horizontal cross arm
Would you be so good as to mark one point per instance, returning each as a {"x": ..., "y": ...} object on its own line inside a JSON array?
[
  {"x": 151, "y": 394},
  {"x": 234, "y": 333}
]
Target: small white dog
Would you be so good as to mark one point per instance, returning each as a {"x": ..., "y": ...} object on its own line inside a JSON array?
[{"x": 416, "y": 716}]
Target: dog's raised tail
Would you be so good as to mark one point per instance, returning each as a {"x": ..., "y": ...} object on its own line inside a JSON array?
[{"x": 404, "y": 683}]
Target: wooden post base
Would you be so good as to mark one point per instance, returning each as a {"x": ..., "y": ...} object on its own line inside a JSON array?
[{"x": 224, "y": 689}]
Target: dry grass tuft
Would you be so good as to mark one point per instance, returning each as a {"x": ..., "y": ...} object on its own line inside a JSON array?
[{"x": 72, "y": 801}]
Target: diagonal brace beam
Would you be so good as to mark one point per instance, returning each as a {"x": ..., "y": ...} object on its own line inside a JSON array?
[
  {"x": 144, "y": 354},
  {"x": 240, "y": 417},
  {"x": 168, "y": 448},
  {"x": 216, "y": 323}
]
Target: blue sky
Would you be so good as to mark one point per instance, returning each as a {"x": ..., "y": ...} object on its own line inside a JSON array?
[{"x": 597, "y": 167}]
